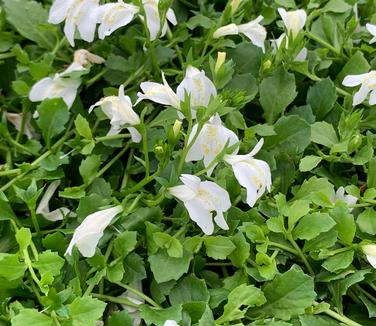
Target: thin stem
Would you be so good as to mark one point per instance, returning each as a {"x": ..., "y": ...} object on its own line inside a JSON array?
[
  {"x": 325, "y": 44},
  {"x": 140, "y": 294},
  {"x": 112, "y": 137},
  {"x": 300, "y": 254},
  {"x": 283, "y": 247},
  {"x": 109, "y": 164},
  {"x": 35, "y": 221},
  {"x": 119, "y": 300},
  {"x": 7, "y": 55},
  {"x": 347, "y": 321}
]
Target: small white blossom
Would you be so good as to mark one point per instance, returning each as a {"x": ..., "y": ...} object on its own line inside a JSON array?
[
  {"x": 134, "y": 298},
  {"x": 368, "y": 84},
  {"x": 89, "y": 232},
  {"x": 252, "y": 174},
  {"x": 153, "y": 19},
  {"x": 76, "y": 13},
  {"x": 82, "y": 59},
  {"x": 112, "y": 16},
  {"x": 201, "y": 199},
  {"x": 372, "y": 29},
  {"x": 195, "y": 83},
  {"x": 44, "y": 208},
  {"x": 56, "y": 87},
  {"x": 170, "y": 323},
  {"x": 120, "y": 110},
  {"x": 252, "y": 30},
  {"x": 301, "y": 56},
  {"x": 16, "y": 120},
  {"x": 293, "y": 20},
  {"x": 340, "y": 195},
  {"x": 370, "y": 252},
  {"x": 210, "y": 142}
]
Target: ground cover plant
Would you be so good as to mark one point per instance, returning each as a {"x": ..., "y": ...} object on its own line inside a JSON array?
[{"x": 187, "y": 163}]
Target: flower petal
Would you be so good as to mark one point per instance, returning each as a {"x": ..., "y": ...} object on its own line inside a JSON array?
[
  {"x": 200, "y": 215},
  {"x": 354, "y": 80}
]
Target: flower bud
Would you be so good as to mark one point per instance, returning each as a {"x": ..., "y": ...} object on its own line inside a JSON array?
[
  {"x": 234, "y": 6},
  {"x": 220, "y": 61},
  {"x": 176, "y": 128},
  {"x": 159, "y": 150},
  {"x": 267, "y": 64}
]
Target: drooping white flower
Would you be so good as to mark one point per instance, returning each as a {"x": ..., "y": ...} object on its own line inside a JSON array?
[
  {"x": 44, "y": 208},
  {"x": 16, "y": 120},
  {"x": 80, "y": 14},
  {"x": 82, "y": 58},
  {"x": 89, "y": 232},
  {"x": 153, "y": 19},
  {"x": 201, "y": 199},
  {"x": 372, "y": 29},
  {"x": 210, "y": 142},
  {"x": 112, "y": 16},
  {"x": 370, "y": 252},
  {"x": 252, "y": 174},
  {"x": 195, "y": 83},
  {"x": 56, "y": 87},
  {"x": 252, "y": 30},
  {"x": 134, "y": 298},
  {"x": 120, "y": 110},
  {"x": 301, "y": 56},
  {"x": 293, "y": 20},
  {"x": 170, "y": 323},
  {"x": 368, "y": 84},
  {"x": 340, "y": 195}
]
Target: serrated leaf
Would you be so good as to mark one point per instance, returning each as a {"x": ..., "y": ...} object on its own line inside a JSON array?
[
  {"x": 85, "y": 311},
  {"x": 218, "y": 247},
  {"x": 83, "y": 127},
  {"x": 31, "y": 317}
]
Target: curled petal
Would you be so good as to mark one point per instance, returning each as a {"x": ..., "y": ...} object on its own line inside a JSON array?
[{"x": 230, "y": 29}]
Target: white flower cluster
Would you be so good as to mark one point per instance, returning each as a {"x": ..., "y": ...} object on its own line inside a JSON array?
[{"x": 84, "y": 15}]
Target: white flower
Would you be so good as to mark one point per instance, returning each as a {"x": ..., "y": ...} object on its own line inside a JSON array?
[
  {"x": 82, "y": 58},
  {"x": 16, "y": 120},
  {"x": 132, "y": 297},
  {"x": 251, "y": 173},
  {"x": 372, "y": 29},
  {"x": 301, "y": 56},
  {"x": 195, "y": 83},
  {"x": 210, "y": 142},
  {"x": 252, "y": 30},
  {"x": 293, "y": 20},
  {"x": 76, "y": 13},
  {"x": 120, "y": 110},
  {"x": 368, "y": 84},
  {"x": 340, "y": 195},
  {"x": 201, "y": 199},
  {"x": 56, "y": 87},
  {"x": 221, "y": 58},
  {"x": 370, "y": 252},
  {"x": 112, "y": 16},
  {"x": 170, "y": 323},
  {"x": 153, "y": 20},
  {"x": 44, "y": 209},
  {"x": 88, "y": 233}
]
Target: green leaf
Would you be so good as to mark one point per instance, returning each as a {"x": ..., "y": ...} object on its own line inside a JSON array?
[
  {"x": 6, "y": 212},
  {"x": 125, "y": 243},
  {"x": 166, "y": 268},
  {"x": 158, "y": 317},
  {"x": 276, "y": 93},
  {"x": 371, "y": 175},
  {"x": 337, "y": 6},
  {"x": 247, "y": 58},
  {"x": 338, "y": 262},
  {"x": 189, "y": 289},
  {"x": 367, "y": 221},
  {"x": 345, "y": 224},
  {"x": 172, "y": 245},
  {"x": 10, "y": 267},
  {"x": 328, "y": 30},
  {"x": 32, "y": 317},
  {"x": 83, "y": 127},
  {"x": 310, "y": 226},
  {"x": 120, "y": 318},
  {"x": 85, "y": 311},
  {"x": 296, "y": 211},
  {"x": 53, "y": 115},
  {"x": 23, "y": 237},
  {"x": 309, "y": 162},
  {"x": 218, "y": 247},
  {"x": 89, "y": 167},
  {"x": 207, "y": 318},
  {"x": 240, "y": 255},
  {"x": 27, "y": 17},
  {"x": 242, "y": 295},
  {"x": 49, "y": 262},
  {"x": 312, "y": 186},
  {"x": 288, "y": 295},
  {"x": 134, "y": 268},
  {"x": 323, "y": 133},
  {"x": 199, "y": 20},
  {"x": 322, "y": 97},
  {"x": 355, "y": 66},
  {"x": 312, "y": 320}
]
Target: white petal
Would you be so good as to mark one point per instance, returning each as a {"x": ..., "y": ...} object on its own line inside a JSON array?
[
  {"x": 230, "y": 29},
  {"x": 220, "y": 221},
  {"x": 87, "y": 244},
  {"x": 170, "y": 15},
  {"x": 43, "y": 206},
  {"x": 170, "y": 323},
  {"x": 41, "y": 89},
  {"x": 135, "y": 135},
  {"x": 56, "y": 215},
  {"x": 302, "y": 55},
  {"x": 191, "y": 181},
  {"x": 354, "y": 80},
  {"x": 255, "y": 32},
  {"x": 152, "y": 18},
  {"x": 58, "y": 11},
  {"x": 372, "y": 29},
  {"x": 293, "y": 20},
  {"x": 360, "y": 95},
  {"x": 196, "y": 152},
  {"x": 218, "y": 197},
  {"x": 372, "y": 260},
  {"x": 69, "y": 29},
  {"x": 372, "y": 98},
  {"x": 200, "y": 215},
  {"x": 182, "y": 192},
  {"x": 257, "y": 148},
  {"x": 87, "y": 20}
]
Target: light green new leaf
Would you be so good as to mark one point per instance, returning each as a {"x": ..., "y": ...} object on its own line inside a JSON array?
[
  {"x": 367, "y": 221},
  {"x": 218, "y": 247},
  {"x": 23, "y": 237},
  {"x": 338, "y": 262},
  {"x": 323, "y": 133},
  {"x": 31, "y": 317},
  {"x": 89, "y": 167},
  {"x": 309, "y": 162},
  {"x": 242, "y": 295},
  {"x": 85, "y": 311},
  {"x": 158, "y": 317},
  {"x": 172, "y": 245},
  {"x": 345, "y": 223},
  {"x": 120, "y": 318},
  {"x": 83, "y": 127},
  {"x": 239, "y": 256},
  {"x": 125, "y": 243},
  {"x": 310, "y": 226},
  {"x": 10, "y": 267},
  {"x": 49, "y": 262},
  {"x": 288, "y": 295},
  {"x": 276, "y": 93}
]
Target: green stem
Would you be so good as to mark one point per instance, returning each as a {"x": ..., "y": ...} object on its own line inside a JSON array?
[
  {"x": 283, "y": 247},
  {"x": 341, "y": 318},
  {"x": 7, "y": 55},
  {"x": 35, "y": 220},
  {"x": 176, "y": 47},
  {"x": 111, "y": 137},
  {"x": 119, "y": 300},
  {"x": 109, "y": 164},
  {"x": 140, "y": 294},
  {"x": 300, "y": 254},
  {"x": 325, "y": 44}
]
